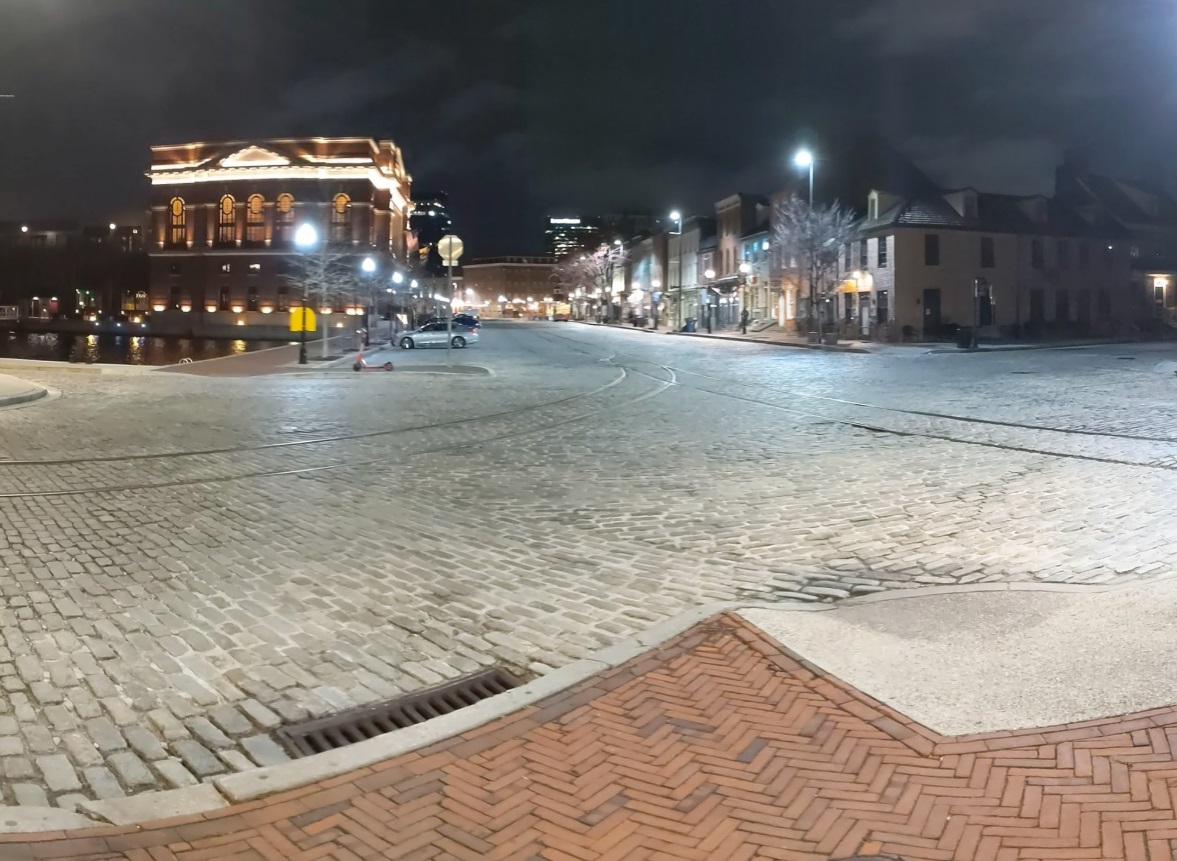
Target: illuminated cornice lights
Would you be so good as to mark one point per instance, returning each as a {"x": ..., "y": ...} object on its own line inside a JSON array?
[
  {"x": 284, "y": 172},
  {"x": 254, "y": 156}
]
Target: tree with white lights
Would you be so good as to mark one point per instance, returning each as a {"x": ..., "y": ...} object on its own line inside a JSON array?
[
  {"x": 813, "y": 237},
  {"x": 593, "y": 271}
]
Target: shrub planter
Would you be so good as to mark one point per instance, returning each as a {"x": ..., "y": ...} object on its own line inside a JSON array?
[
  {"x": 830, "y": 339},
  {"x": 813, "y": 338}
]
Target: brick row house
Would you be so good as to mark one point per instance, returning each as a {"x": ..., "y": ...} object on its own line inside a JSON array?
[
  {"x": 922, "y": 267},
  {"x": 1099, "y": 257},
  {"x": 223, "y": 218}
]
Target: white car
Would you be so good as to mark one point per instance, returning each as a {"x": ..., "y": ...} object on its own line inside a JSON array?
[{"x": 434, "y": 335}]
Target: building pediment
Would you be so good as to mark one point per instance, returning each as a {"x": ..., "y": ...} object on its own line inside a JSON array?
[{"x": 254, "y": 156}]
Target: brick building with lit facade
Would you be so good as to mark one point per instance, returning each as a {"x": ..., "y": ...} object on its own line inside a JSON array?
[
  {"x": 512, "y": 286},
  {"x": 223, "y": 217}
]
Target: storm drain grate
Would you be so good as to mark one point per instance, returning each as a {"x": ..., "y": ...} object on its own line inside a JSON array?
[{"x": 368, "y": 722}]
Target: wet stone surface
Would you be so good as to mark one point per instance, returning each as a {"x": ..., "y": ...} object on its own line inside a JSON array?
[{"x": 161, "y": 615}]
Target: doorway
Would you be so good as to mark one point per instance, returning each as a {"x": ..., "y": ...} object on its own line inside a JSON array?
[
  {"x": 1037, "y": 307},
  {"x": 932, "y": 320}
]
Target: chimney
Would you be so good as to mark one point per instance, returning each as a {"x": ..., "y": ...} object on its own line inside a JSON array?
[
  {"x": 1069, "y": 175},
  {"x": 1077, "y": 159}
]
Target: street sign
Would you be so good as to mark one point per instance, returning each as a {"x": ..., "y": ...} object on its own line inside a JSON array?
[
  {"x": 297, "y": 320},
  {"x": 450, "y": 248}
]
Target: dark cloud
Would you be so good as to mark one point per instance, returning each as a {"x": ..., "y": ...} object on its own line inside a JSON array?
[{"x": 521, "y": 107}]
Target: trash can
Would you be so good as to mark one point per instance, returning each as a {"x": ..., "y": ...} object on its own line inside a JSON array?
[
  {"x": 691, "y": 325},
  {"x": 964, "y": 337}
]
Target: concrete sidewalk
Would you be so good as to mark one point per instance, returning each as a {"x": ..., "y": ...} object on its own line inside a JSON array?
[
  {"x": 775, "y": 337},
  {"x": 725, "y": 744},
  {"x": 15, "y": 392}
]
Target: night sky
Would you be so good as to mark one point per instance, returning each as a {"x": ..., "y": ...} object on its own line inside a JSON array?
[{"x": 521, "y": 109}]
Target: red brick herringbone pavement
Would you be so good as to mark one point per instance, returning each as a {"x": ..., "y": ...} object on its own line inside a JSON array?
[{"x": 721, "y": 746}]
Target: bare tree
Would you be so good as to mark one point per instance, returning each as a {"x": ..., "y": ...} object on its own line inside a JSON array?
[
  {"x": 332, "y": 277},
  {"x": 813, "y": 237},
  {"x": 593, "y": 270}
]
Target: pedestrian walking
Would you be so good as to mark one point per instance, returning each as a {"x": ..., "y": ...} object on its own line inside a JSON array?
[{"x": 744, "y": 322}]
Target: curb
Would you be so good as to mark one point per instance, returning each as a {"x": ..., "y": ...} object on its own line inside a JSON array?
[
  {"x": 1021, "y": 348},
  {"x": 740, "y": 339},
  {"x": 820, "y": 347},
  {"x": 253, "y": 785},
  {"x": 78, "y": 367},
  {"x": 37, "y": 393},
  {"x": 258, "y": 783}
]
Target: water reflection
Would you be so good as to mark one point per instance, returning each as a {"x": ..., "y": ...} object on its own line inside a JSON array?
[{"x": 120, "y": 349}]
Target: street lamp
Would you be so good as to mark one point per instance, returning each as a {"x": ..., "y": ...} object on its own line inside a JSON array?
[
  {"x": 710, "y": 276},
  {"x": 113, "y": 226},
  {"x": 368, "y": 266},
  {"x": 397, "y": 278},
  {"x": 676, "y": 217},
  {"x": 745, "y": 270},
  {"x": 804, "y": 159},
  {"x": 305, "y": 238}
]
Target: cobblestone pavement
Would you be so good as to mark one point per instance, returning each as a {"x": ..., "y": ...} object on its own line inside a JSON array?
[
  {"x": 192, "y": 562},
  {"x": 719, "y": 745}
]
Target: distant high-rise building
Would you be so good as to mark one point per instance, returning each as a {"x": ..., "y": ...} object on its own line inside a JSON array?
[
  {"x": 430, "y": 221},
  {"x": 566, "y": 235},
  {"x": 626, "y": 225}
]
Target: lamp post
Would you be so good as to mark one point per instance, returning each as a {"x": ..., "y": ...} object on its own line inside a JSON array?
[
  {"x": 305, "y": 238},
  {"x": 745, "y": 271},
  {"x": 710, "y": 276},
  {"x": 368, "y": 267},
  {"x": 676, "y": 218},
  {"x": 397, "y": 278},
  {"x": 804, "y": 159}
]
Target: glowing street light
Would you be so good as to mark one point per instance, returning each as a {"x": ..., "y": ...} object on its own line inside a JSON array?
[
  {"x": 113, "y": 226},
  {"x": 24, "y": 228},
  {"x": 676, "y": 217},
  {"x": 306, "y": 236},
  {"x": 398, "y": 278},
  {"x": 804, "y": 159},
  {"x": 369, "y": 265}
]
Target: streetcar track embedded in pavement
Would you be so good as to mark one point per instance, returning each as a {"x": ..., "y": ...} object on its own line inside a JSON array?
[
  {"x": 663, "y": 385},
  {"x": 285, "y": 444},
  {"x": 918, "y": 413},
  {"x": 867, "y": 426}
]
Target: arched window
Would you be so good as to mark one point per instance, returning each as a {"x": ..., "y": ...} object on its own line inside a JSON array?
[
  {"x": 255, "y": 220},
  {"x": 227, "y": 221},
  {"x": 341, "y": 218},
  {"x": 178, "y": 223},
  {"x": 284, "y": 219}
]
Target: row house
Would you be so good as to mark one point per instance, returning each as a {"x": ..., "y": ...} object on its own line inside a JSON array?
[
  {"x": 921, "y": 267},
  {"x": 687, "y": 261},
  {"x": 1146, "y": 212},
  {"x": 645, "y": 276},
  {"x": 741, "y": 221},
  {"x": 223, "y": 219}
]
